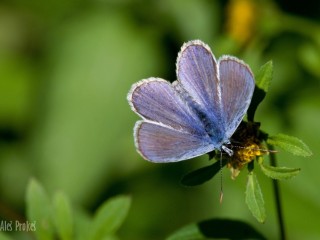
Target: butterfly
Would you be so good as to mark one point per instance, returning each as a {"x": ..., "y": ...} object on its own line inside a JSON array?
[{"x": 196, "y": 114}]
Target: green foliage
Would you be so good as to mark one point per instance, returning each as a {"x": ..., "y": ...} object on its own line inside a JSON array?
[
  {"x": 63, "y": 216},
  {"x": 279, "y": 173},
  {"x": 290, "y": 144},
  {"x": 263, "y": 80},
  {"x": 254, "y": 198},
  {"x": 264, "y": 76},
  {"x": 39, "y": 209},
  {"x": 109, "y": 217},
  {"x": 65, "y": 67},
  {"x": 216, "y": 228},
  {"x": 89, "y": 83},
  {"x": 57, "y": 220},
  {"x": 82, "y": 222}
]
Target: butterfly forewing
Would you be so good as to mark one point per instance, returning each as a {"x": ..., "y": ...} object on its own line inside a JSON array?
[
  {"x": 237, "y": 86},
  {"x": 170, "y": 131},
  {"x": 156, "y": 100},
  {"x": 198, "y": 74}
]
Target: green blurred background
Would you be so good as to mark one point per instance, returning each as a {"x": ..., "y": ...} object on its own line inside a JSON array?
[{"x": 66, "y": 68}]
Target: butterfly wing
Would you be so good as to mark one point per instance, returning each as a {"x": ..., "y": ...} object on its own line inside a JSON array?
[
  {"x": 197, "y": 72},
  {"x": 170, "y": 131},
  {"x": 158, "y": 143},
  {"x": 221, "y": 90},
  {"x": 237, "y": 86}
]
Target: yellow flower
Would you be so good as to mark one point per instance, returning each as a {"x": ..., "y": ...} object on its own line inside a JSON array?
[
  {"x": 241, "y": 17},
  {"x": 246, "y": 147}
]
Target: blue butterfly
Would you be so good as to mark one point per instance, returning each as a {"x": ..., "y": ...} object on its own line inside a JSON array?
[{"x": 197, "y": 113}]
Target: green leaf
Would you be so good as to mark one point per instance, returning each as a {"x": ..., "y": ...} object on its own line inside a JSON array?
[
  {"x": 263, "y": 79},
  {"x": 279, "y": 173},
  {"x": 81, "y": 222},
  {"x": 62, "y": 216},
  {"x": 290, "y": 144},
  {"x": 264, "y": 76},
  {"x": 254, "y": 198},
  {"x": 110, "y": 216},
  {"x": 216, "y": 228},
  {"x": 39, "y": 210},
  {"x": 202, "y": 175}
]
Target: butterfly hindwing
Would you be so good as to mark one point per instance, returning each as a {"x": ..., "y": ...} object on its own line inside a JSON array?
[
  {"x": 171, "y": 130},
  {"x": 158, "y": 143}
]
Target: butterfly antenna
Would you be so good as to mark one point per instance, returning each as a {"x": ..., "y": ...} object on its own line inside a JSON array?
[
  {"x": 257, "y": 149},
  {"x": 221, "y": 187}
]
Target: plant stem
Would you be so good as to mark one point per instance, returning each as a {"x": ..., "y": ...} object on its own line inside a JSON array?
[{"x": 276, "y": 191}]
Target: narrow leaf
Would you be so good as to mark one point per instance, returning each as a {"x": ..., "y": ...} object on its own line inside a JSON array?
[
  {"x": 62, "y": 216},
  {"x": 81, "y": 222},
  {"x": 290, "y": 144},
  {"x": 216, "y": 228},
  {"x": 264, "y": 76},
  {"x": 254, "y": 198},
  {"x": 279, "y": 173},
  {"x": 263, "y": 79},
  {"x": 39, "y": 210},
  {"x": 110, "y": 216},
  {"x": 202, "y": 175}
]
